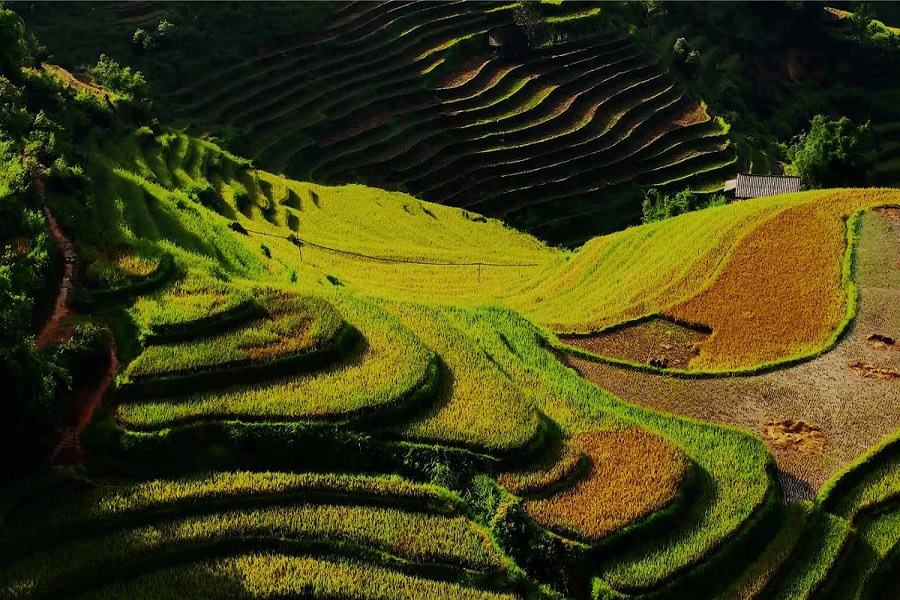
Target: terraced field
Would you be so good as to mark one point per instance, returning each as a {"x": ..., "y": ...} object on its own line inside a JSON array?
[
  {"x": 258, "y": 377},
  {"x": 313, "y": 377},
  {"x": 551, "y": 139}
]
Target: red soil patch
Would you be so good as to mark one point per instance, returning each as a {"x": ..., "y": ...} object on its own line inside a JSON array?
[
  {"x": 791, "y": 434},
  {"x": 872, "y": 372},
  {"x": 50, "y": 331},
  {"x": 82, "y": 402},
  {"x": 657, "y": 342}
]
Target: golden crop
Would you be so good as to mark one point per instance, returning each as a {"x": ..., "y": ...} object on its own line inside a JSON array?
[
  {"x": 293, "y": 324},
  {"x": 546, "y": 473},
  {"x": 633, "y": 473},
  {"x": 781, "y": 292},
  {"x": 102, "y": 502}
]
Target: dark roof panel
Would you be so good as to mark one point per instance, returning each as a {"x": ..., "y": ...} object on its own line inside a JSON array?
[{"x": 754, "y": 186}]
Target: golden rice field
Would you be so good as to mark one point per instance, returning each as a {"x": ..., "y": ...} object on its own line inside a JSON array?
[
  {"x": 552, "y": 471},
  {"x": 269, "y": 378},
  {"x": 292, "y": 324},
  {"x": 806, "y": 295},
  {"x": 658, "y": 268},
  {"x": 391, "y": 364},
  {"x": 632, "y": 474}
]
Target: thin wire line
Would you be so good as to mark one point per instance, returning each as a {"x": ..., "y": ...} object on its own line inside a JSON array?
[{"x": 393, "y": 260}]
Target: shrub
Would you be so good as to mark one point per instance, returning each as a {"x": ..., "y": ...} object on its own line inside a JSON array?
[
  {"x": 658, "y": 206},
  {"x": 833, "y": 153},
  {"x": 123, "y": 80}
]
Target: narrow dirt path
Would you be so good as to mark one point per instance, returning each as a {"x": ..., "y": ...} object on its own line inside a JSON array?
[
  {"x": 83, "y": 402},
  {"x": 816, "y": 416},
  {"x": 50, "y": 330}
]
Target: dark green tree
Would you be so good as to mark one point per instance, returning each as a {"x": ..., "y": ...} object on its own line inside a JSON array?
[
  {"x": 13, "y": 48},
  {"x": 833, "y": 153}
]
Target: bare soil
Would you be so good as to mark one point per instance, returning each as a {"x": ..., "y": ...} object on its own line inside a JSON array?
[
  {"x": 815, "y": 416},
  {"x": 81, "y": 403},
  {"x": 657, "y": 341},
  {"x": 51, "y": 329}
]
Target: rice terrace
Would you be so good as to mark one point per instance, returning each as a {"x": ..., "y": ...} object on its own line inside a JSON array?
[{"x": 450, "y": 299}]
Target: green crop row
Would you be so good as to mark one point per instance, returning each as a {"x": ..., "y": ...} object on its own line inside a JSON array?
[
  {"x": 452, "y": 539},
  {"x": 292, "y": 325},
  {"x": 390, "y": 365},
  {"x": 91, "y": 506},
  {"x": 267, "y": 575}
]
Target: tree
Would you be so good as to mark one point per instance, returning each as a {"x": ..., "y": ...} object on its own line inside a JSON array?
[
  {"x": 833, "y": 153},
  {"x": 861, "y": 26},
  {"x": 122, "y": 80},
  {"x": 651, "y": 9},
  {"x": 687, "y": 58},
  {"x": 658, "y": 206},
  {"x": 13, "y": 48},
  {"x": 140, "y": 41},
  {"x": 529, "y": 21}
]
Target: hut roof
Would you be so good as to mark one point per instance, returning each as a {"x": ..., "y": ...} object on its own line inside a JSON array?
[{"x": 754, "y": 186}]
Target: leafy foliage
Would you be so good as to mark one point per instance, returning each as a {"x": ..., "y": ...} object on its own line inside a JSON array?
[
  {"x": 833, "y": 153},
  {"x": 657, "y": 206},
  {"x": 122, "y": 79}
]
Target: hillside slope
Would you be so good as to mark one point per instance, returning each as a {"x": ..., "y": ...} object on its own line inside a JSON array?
[
  {"x": 255, "y": 315},
  {"x": 555, "y": 137}
]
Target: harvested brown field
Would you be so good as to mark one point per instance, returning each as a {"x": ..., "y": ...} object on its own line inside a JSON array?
[
  {"x": 464, "y": 75},
  {"x": 691, "y": 116},
  {"x": 657, "y": 341},
  {"x": 851, "y": 412},
  {"x": 633, "y": 473}
]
